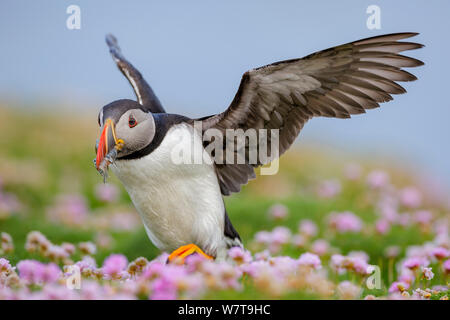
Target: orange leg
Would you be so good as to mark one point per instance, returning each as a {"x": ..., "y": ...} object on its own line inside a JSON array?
[{"x": 182, "y": 252}]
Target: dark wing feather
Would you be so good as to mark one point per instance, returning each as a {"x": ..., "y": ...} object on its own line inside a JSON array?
[
  {"x": 337, "y": 82},
  {"x": 143, "y": 91}
]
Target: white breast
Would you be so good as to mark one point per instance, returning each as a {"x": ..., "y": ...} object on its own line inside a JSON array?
[{"x": 178, "y": 203}]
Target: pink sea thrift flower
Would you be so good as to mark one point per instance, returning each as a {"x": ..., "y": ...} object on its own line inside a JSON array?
[
  {"x": 278, "y": 237},
  {"x": 382, "y": 226},
  {"x": 423, "y": 217},
  {"x": 227, "y": 276},
  {"x": 337, "y": 263},
  {"x": 9, "y": 204},
  {"x": 307, "y": 228},
  {"x": 87, "y": 263},
  {"x": 69, "y": 209},
  {"x": 163, "y": 289},
  {"x": 329, "y": 189},
  {"x": 357, "y": 264},
  {"x": 299, "y": 240},
  {"x": 278, "y": 212},
  {"x": 195, "y": 262},
  {"x": 104, "y": 240},
  {"x": 255, "y": 268},
  {"x": 447, "y": 266},
  {"x": 263, "y": 237},
  {"x": 174, "y": 280},
  {"x": 6, "y": 243},
  {"x": 92, "y": 291},
  {"x": 416, "y": 251},
  {"x": 281, "y": 235},
  {"x": 263, "y": 255},
  {"x": 359, "y": 254},
  {"x": 336, "y": 260},
  {"x": 114, "y": 265},
  {"x": 88, "y": 248},
  {"x": 410, "y": 197},
  {"x": 55, "y": 292},
  {"x": 440, "y": 253},
  {"x": 284, "y": 264},
  {"x": 239, "y": 255},
  {"x": 153, "y": 270},
  {"x": 51, "y": 273},
  {"x": 320, "y": 247},
  {"x": 310, "y": 260},
  {"x": 36, "y": 241},
  {"x": 415, "y": 262},
  {"x": 345, "y": 222},
  {"x": 106, "y": 192},
  {"x": 57, "y": 253},
  {"x": 442, "y": 240},
  {"x": 5, "y": 266},
  {"x": 36, "y": 272},
  {"x": 275, "y": 239},
  {"x": 441, "y": 227},
  {"x": 348, "y": 290},
  {"x": 398, "y": 286},
  {"x": 223, "y": 275},
  {"x": 407, "y": 276},
  {"x": 69, "y": 248},
  {"x": 427, "y": 273},
  {"x": 388, "y": 208},
  {"x": 377, "y": 179}
]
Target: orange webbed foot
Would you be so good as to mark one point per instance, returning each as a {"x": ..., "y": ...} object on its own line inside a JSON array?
[{"x": 182, "y": 252}]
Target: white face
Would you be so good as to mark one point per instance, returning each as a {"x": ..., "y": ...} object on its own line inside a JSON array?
[{"x": 137, "y": 129}]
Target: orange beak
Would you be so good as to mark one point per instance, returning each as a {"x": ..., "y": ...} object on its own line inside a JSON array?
[{"x": 107, "y": 142}]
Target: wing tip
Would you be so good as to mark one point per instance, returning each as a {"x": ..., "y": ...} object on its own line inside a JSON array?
[
  {"x": 112, "y": 43},
  {"x": 110, "y": 39},
  {"x": 409, "y": 34},
  {"x": 388, "y": 37}
]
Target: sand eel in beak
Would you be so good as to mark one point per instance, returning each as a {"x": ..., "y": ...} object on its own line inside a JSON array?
[
  {"x": 181, "y": 204},
  {"x": 107, "y": 148}
]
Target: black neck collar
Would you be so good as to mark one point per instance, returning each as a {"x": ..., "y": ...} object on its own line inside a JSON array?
[{"x": 163, "y": 122}]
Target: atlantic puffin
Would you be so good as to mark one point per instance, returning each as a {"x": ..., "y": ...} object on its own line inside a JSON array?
[{"x": 181, "y": 204}]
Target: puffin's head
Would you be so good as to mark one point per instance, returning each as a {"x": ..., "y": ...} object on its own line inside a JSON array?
[{"x": 125, "y": 127}]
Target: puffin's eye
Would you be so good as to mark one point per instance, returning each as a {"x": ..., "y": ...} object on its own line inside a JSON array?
[{"x": 132, "y": 121}]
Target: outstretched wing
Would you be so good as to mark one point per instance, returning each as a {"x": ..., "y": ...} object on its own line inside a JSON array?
[
  {"x": 337, "y": 82},
  {"x": 143, "y": 91}
]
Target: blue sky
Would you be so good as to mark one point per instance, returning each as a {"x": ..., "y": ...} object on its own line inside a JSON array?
[{"x": 194, "y": 53}]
